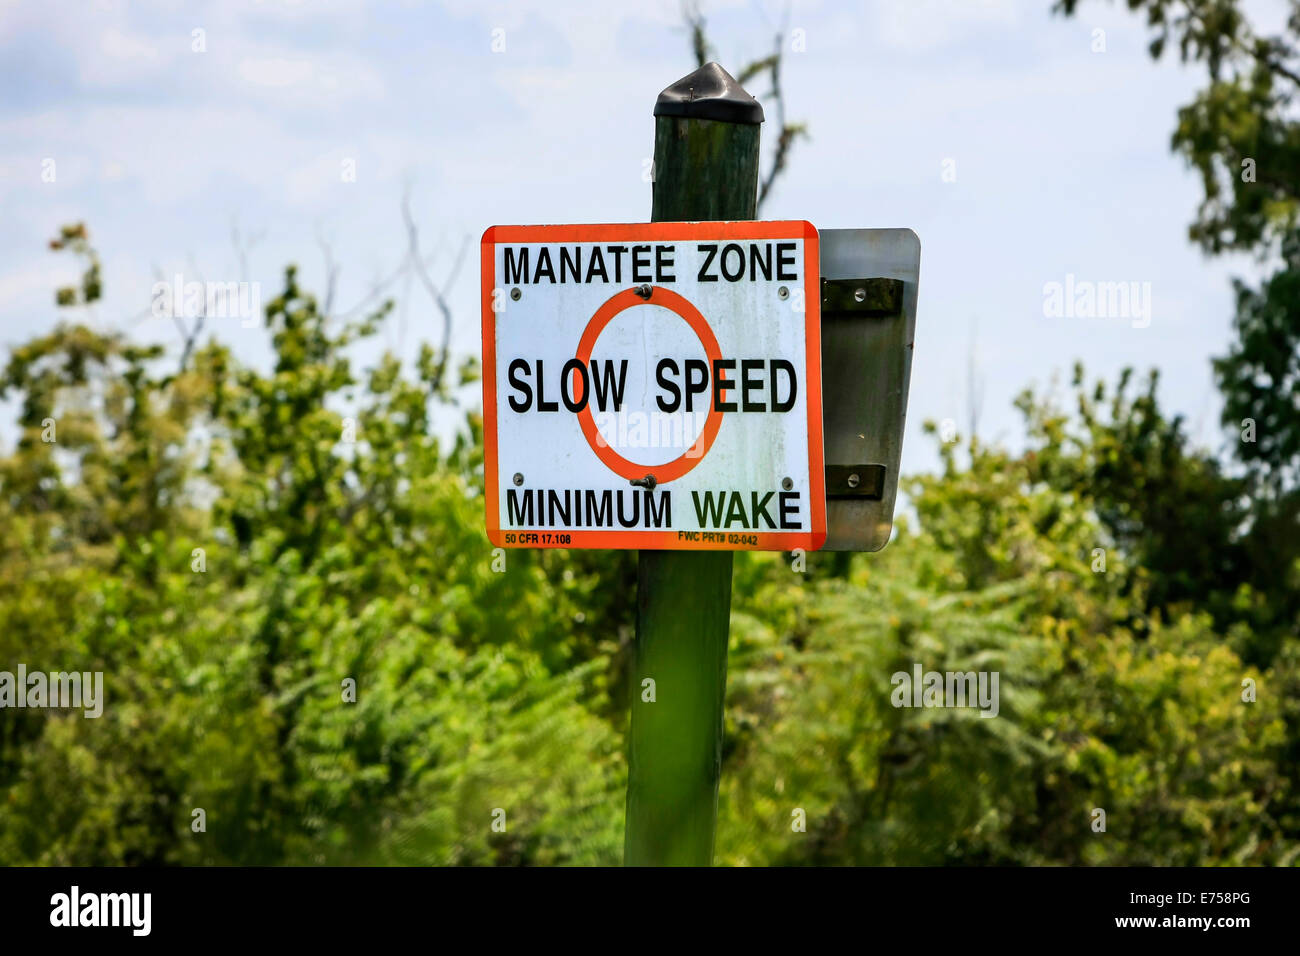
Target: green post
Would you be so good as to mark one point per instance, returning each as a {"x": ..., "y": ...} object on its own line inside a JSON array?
[{"x": 705, "y": 168}]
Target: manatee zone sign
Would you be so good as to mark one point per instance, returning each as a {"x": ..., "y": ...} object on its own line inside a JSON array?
[{"x": 653, "y": 385}]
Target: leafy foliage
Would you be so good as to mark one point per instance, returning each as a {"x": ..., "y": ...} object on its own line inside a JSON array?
[
  {"x": 231, "y": 547},
  {"x": 1242, "y": 136}
]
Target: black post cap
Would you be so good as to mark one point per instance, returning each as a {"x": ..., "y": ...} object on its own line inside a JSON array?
[{"x": 710, "y": 93}]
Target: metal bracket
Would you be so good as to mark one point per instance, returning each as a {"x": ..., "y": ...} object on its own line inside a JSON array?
[
  {"x": 855, "y": 481},
  {"x": 878, "y": 296}
]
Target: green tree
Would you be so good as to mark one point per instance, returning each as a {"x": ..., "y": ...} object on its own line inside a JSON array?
[
  {"x": 285, "y": 580},
  {"x": 1103, "y": 704},
  {"x": 1241, "y": 134}
]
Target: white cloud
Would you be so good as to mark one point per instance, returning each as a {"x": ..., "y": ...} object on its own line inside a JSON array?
[
  {"x": 914, "y": 25},
  {"x": 119, "y": 56},
  {"x": 276, "y": 72},
  {"x": 125, "y": 46}
]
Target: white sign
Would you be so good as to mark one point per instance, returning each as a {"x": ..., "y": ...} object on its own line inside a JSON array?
[{"x": 653, "y": 386}]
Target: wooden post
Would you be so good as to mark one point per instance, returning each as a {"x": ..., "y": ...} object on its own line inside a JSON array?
[{"x": 705, "y": 168}]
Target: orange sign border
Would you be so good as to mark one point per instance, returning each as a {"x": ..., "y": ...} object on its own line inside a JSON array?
[{"x": 663, "y": 232}]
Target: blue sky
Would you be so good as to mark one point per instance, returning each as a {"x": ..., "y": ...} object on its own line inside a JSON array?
[{"x": 1061, "y": 157}]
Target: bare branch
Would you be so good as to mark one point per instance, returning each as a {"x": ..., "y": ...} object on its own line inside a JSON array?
[
  {"x": 759, "y": 66},
  {"x": 771, "y": 65},
  {"x": 379, "y": 286},
  {"x": 243, "y": 246},
  {"x": 434, "y": 291},
  {"x": 331, "y": 273},
  {"x": 789, "y": 132},
  {"x": 974, "y": 381},
  {"x": 190, "y": 337},
  {"x": 694, "y": 18}
]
